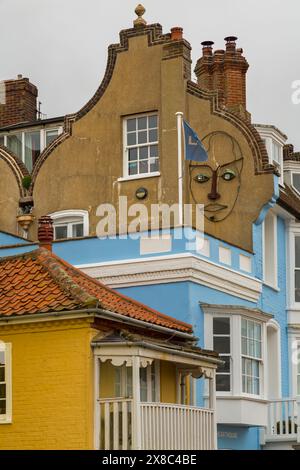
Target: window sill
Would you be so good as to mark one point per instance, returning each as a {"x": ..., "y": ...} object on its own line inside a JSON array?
[
  {"x": 7, "y": 420},
  {"x": 139, "y": 177}
]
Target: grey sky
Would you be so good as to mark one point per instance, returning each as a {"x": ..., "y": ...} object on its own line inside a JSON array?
[{"x": 61, "y": 45}]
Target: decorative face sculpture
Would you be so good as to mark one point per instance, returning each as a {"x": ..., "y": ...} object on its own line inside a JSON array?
[{"x": 216, "y": 183}]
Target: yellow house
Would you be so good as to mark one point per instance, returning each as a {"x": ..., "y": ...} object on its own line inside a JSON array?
[{"x": 84, "y": 367}]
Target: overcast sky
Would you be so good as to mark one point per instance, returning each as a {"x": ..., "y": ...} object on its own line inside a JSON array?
[{"x": 61, "y": 45}]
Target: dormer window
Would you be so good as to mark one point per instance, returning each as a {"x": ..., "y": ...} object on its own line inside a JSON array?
[
  {"x": 70, "y": 224},
  {"x": 141, "y": 157}
]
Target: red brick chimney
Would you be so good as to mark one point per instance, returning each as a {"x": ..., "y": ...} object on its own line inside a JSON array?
[
  {"x": 45, "y": 232},
  {"x": 224, "y": 71},
  {"x": 18, "y": 101}
]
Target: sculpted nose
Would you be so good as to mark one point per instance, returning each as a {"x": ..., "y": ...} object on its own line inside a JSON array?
[{"x": 214, "y": 195}]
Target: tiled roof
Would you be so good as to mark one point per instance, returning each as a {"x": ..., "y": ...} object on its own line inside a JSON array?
[
  {"x": 290, "y": 201},
  {"x": 40, "y": 282}
]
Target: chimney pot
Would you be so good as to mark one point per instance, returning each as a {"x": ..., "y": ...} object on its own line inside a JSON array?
[
  {"x": 45, "y": 232},
  {"x": 207, "y": 47},
  {"x": 176, "y": 33},
  {"x": 19, "y": 76},
  {"x": 230, "y": 43}
]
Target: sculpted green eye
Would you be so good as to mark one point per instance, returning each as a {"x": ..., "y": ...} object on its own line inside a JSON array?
[
  {"x": 228, "y": 175},
  {"x": 201, "y": 178}
]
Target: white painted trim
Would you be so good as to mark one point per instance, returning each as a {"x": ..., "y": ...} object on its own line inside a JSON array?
[
  {"x": 139, "y": 177},
  {"x": 69, "y": 213},
  {"x": 271, "y": 283},
  {"x": 6, "y": 347},
  {"x": 175, "y": 268},
  {"x": 96, "y": 403}
]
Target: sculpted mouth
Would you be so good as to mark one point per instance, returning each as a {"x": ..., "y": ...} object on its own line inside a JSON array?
[{"x": 214, "y": 207}]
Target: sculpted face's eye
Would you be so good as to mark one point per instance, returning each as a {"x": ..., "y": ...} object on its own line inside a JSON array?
[
  {"x": 201, "y": 178},
  {"x": 228, "y": 175}
]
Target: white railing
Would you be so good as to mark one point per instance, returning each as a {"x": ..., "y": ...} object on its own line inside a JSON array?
[
  {"x": 169, "y": 427},
  {"x": 156, "y": 426},
  {"x": 283, "y": 420},
  {"x": 115, "y": 424}
]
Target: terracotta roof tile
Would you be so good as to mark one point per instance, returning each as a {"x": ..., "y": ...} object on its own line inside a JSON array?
[
  {"x": 290, "y": 201},
  {"x": 40, "y": 282}
]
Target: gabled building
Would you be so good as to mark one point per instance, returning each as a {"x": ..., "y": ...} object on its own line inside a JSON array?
[{"x": 231, "y": 283}]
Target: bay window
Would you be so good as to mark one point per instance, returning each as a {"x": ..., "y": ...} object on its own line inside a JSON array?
[
  {"x": 141, "y": 156},
  {"x": 28, "y": 144}
]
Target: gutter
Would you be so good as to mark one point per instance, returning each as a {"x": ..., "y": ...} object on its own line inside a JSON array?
[
  {"x": 155, "y": 347},
  {"x": 98, "y": 313}
]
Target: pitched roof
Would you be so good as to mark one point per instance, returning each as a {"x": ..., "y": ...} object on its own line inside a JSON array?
[{"x": 41, "y": 282}]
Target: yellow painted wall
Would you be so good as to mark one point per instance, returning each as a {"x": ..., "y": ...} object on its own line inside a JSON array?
[
  {"x": 107, "y": 380},
  {"x": 167, "y": 382},
  {"x": 52, "y": 386}
]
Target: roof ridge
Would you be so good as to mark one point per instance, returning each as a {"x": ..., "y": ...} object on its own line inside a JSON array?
[
  {"x": 52, "y": 263},
  {"x": 128, "y": 299}
]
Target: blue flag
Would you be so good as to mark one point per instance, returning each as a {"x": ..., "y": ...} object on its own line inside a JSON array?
[{"x": 194, "y": 149}]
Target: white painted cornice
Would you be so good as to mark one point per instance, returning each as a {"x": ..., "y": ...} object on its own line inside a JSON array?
[{"x": 175, "y": 268}]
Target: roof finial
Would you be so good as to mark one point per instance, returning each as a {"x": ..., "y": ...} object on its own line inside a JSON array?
[{"x": 140, "y": 10}]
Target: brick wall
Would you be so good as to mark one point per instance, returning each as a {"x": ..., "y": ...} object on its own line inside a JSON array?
[
  {"x": 18, "y": 101},
  {"x": 52, "y": 386}
]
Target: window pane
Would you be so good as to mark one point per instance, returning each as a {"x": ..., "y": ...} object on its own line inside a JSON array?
[
  {"x": 142, "y": 137},
  {"x": 143, "y": 153},
  {"x": 2, "y": 407},
  {"x": 128, "y": 381},
  {"x": 131, "y": 125},
  {"x": 297, "y": 252},
  {"x": 117, "y": 381},
  {"x": 77, "y": 230},
  {"x": 131, "y": 139},
  {"x": 2, "y": 390},
  {"x": 32, "y": 148},
  {"x": 143, "y": 383},
  {"x": 2, "y": 374},
  {"x": 221, "y": 326},
  {"x": 61, "y": 232},
  {"x": 14, "y": 143},
  {"x": 143, "y": 166},
  {"x": 223, "y": 383},
  {"x": 222, "y": 344},
  {"x": 154, "y": 151},
  {"x": 132, "y": 154},
  {"x": 2, "y": 140},
  {"x": 153, "y": 137},
  {"x": 142, "y": 123},
  {"x": 132, "y": 168},
  {"x": 226, "y": 366},
  {"x": 296, "y": 181},
  {"x": 154, "y": 164},
  {"x": 297, "y": 286},
  {"x": 152, "y": 121},
  {"x": 244, "y": 327},
  {"x": 2, "y": 358},
  {"x": 51, "y": 135}
]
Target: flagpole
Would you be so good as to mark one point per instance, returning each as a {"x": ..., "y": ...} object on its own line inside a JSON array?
[{"x": 179, "y": 116}]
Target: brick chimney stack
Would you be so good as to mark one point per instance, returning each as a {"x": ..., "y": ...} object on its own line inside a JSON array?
[
  {"x": 18, "y": 101},
  {"x": 224, "y": 71},
  {"x": 45, "y": 232}
]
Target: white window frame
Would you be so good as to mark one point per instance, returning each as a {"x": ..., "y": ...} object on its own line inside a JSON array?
[
  {"x": 225, "y": 354},
  {"x": 126, "y": 175},
  {"x": 270, "y": 282},
  {"x": 253, "y": 358},
  {"x": 42, "y": 132},
  {"x": 7, "y": 417},
  {"x": 236, "y": 316},
  {"x": 61, "y": 217}
]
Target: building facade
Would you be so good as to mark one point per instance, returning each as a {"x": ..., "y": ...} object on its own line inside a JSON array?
[{"x": 238, "y": 284}]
